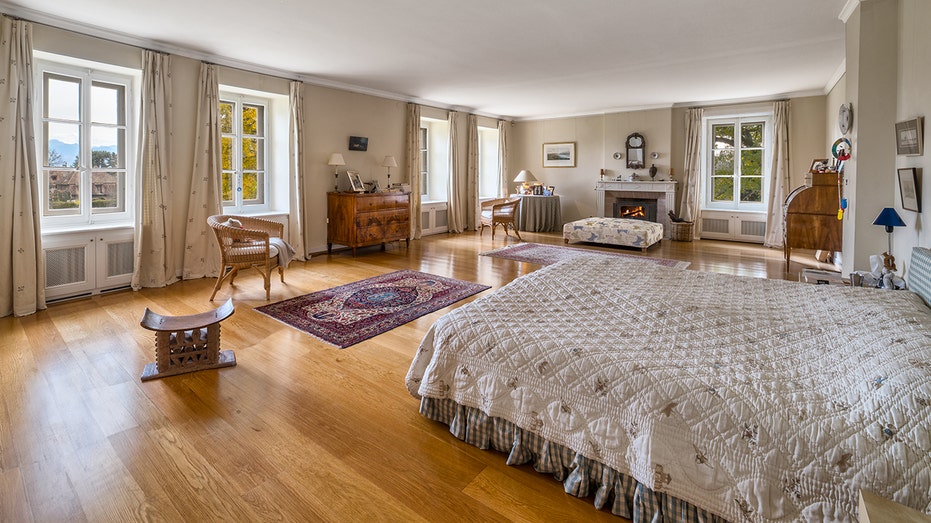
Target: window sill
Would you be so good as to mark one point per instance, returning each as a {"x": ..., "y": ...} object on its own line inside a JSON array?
[{"x": 96, "y": 227}]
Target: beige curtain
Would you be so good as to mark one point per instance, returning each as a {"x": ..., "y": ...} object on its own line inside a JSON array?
[
  {"x": 472, "y": 169},
  {"x": 413, "y": 167},
  {"x": 689, "y": 206},
  {"x": 779, "y": 176},
  {"x": 22, "y": 266},
  {"x": 503, "y": 180},
  {"x": 456, "y": 183},
  {"x": 154, "y": 265},
  {"x": 296, "y": 161},
  {"x": 201, "y": 254}
]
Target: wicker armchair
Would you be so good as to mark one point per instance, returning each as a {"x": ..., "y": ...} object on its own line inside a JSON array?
[
  {"x": 246, "y": 247},
  {"x": 499, "y": 212}
]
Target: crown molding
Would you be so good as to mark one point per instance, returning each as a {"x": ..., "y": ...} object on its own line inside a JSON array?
[
  {"x": 836, "y": 76},
  {"x": 848, "y": 10}
]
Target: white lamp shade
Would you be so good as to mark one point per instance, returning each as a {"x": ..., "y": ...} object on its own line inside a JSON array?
[
  {"x": 525, "y": 176},
  {"x": 389, "y": 162},
  {"x": 336, "y": 159}
]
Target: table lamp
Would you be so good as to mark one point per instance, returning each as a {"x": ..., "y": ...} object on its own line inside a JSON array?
[
  {"x": 336, "y": 159},
  {"x": 525, "y": 177},
  {"x": 889, "y": 218},
  {"x": 389, "y": 162}
]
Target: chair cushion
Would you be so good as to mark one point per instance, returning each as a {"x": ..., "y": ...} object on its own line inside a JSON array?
[{"x": 233, "y": 222}]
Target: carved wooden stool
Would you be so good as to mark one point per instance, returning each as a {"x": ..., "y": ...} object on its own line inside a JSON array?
[{"x": 187, "y": 343}]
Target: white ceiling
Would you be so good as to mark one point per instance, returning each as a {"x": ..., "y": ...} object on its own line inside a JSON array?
[{"x": 511, "y": 58}]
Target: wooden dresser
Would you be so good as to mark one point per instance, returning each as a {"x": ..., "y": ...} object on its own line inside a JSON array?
[
  {"x": 811, "y": 216},
  {"x": 357, "y": 219}
]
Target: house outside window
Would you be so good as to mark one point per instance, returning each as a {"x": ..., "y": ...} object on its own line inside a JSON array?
[
  {"x": 243, "y": 128},
  {"x": 85, "y": 149},
  {"x": 737, "y": 162}
]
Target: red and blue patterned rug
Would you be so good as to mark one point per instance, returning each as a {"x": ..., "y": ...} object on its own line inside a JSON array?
[
  {"x": 355, "y": 312},
  {"x": 544, "y": 254}
]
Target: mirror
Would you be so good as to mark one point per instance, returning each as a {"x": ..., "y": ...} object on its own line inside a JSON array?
[{"x": 635, "y": 147}]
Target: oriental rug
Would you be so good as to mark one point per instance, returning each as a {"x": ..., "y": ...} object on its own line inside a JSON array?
[
  {"x": 543, "y": 254},
  {"x": 355, "y": 312}
]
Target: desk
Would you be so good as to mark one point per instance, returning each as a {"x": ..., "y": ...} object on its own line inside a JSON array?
[{"x": 539, "y": 213}]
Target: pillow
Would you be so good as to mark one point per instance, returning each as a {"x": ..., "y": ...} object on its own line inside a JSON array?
[{"x": 233, "y": 222}]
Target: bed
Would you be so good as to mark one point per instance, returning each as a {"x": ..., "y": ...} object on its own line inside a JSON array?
[{"x": 691, "y": 396}]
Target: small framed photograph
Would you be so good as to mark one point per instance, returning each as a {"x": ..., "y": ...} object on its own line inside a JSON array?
[
  {"x": 819, "y": 165},
  {"x": 559, "y": 154},
  {"x": 355, "y": 181},
  {"x": 549, "y": 191},
  {"x": 909, "y": 189},
  {"x": 909, "y": 137},
  {"x": 358, "y": 143}
]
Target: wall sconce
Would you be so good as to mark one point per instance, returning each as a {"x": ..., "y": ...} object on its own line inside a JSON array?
[
  {"x": 525, "y": 177},
  {"x": 336, "y": 159},
  {"x": 389, "y": 162}
]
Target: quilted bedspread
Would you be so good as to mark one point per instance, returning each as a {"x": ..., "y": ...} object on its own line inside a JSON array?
[{"x": 758, "y": 400}]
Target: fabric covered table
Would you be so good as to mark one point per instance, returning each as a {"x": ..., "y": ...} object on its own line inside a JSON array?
[
  {"x": 614, "y": 231},
  {"x": 539, "y": 213}
]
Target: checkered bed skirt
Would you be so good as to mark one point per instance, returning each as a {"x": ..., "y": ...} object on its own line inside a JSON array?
[{"x": 580, "y": 476}]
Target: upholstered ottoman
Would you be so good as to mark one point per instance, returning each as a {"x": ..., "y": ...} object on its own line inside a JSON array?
[{"x": 614, "y": 231}]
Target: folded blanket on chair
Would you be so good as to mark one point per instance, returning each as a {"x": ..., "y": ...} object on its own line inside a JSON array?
[{"x": 285, "y": 251}]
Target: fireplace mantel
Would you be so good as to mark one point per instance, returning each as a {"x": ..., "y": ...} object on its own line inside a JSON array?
[{"x": 665, "y": 192}]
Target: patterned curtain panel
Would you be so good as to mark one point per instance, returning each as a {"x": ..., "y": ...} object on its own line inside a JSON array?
[
  {"x": 688, "y": 207},
  {"x": 779, "y": 178},
  {"x": 22, "y": 267},
  {"x": 201, "y": 254},
  {"x": 154, "y": 265},
  {"x": 472, "y": 160},
  {"x": 413, "y": 167},
  {"x": 455, "y": 186},
  {"x": 296, "y": 161},
  {"x": 502, "y": 184}
]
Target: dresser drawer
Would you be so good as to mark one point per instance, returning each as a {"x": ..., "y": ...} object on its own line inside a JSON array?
[
  {"x": 377, "y": 203},
  {"x": 397, "y": 231}
]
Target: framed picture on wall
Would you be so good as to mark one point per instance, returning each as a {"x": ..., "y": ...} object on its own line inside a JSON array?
[
  {"x": 909, "y": 189},
  {"x": 559, "y": 154},
  {"x": 908, "y": 137}
]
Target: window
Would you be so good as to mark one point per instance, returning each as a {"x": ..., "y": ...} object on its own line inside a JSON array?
[
  {"x": 87, "y": 174},
  {"x": 737, "y": 162},
  {"x": 434, "y": 159},
  {"x": 244, "y": 150},
  {"x": 488, "y": 163}
]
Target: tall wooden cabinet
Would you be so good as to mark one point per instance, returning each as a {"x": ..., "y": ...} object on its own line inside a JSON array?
[
  {"x": 811, "y": 216},
  {"x": 358, "y": 220}
]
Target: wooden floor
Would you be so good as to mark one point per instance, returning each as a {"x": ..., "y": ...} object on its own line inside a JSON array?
[{"x": 298, "y": 430}]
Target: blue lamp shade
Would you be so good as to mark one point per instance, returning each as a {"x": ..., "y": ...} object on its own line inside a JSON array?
[{"x": 889, "y": 218}]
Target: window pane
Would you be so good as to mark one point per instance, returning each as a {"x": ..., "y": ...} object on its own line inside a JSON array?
[
  {"x": 723, "y": 136},
  {"x": 107, "y": 147},
  {"x": 723, "y": 190},
  {"x": 107, "y": 103},
  {"x": 64, "y": 190},
  {"x": 251, "y": 154},
  {"x": 62, "y": 144},
  {"x": 227, "y": 189},
  {"x": 751, "y": 163},
  {"x": 751, "y": 189},
  {"x": 751, "y": 134},
  {"x": 226, "y": 117},
  {"x": 226, "y": 146},
  {"x": 723, "y": 163},
  {"x": 253, "y": 120},
  {"x": 107, "y": 190},
  {"x": 62, "y": 97},
  {"x": 251, "y": 182}
]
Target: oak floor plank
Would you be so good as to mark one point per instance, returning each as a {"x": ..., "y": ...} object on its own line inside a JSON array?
[{"x": 13, "y": 504}]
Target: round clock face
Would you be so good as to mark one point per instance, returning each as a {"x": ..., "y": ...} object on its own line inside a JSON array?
[
  {"x": 634, "y": 141},
  {"x": 845, "y": 118}
]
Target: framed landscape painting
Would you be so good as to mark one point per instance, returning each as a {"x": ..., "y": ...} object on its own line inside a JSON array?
[
  {"x": 908, "y": 137},
  {"x": 559, "y": 154}
]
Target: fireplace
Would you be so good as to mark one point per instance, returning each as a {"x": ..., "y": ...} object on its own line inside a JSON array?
[{"x": 635, "y": 208}]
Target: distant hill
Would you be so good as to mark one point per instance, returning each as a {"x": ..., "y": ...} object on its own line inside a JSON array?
[{"x": 69, "y": 151}]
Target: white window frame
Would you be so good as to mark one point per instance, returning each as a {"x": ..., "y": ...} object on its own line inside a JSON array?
[
  {"x": 488, "y": 154},
  {"x": 424, "y": 138},
  {"x": 239, "y": 205},
  {"x": 87, "y": 73},
  {"x": 708, "y": 158},
  {"x": 436, "y": 160}
]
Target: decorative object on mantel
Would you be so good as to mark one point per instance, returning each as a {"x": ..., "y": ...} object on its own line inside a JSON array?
[
  {"x": 653, "y": 170},
  {"x": 389, "y": 162},
  {"x": 336, "y": 160},
  {"x": 908, "y": 189},
  {"x": 909, "y": 137},
  {"x": 559, "y": 154},
  {"x": 524, "y": 177}
]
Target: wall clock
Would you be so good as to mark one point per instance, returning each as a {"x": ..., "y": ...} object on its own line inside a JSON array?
[{"x": 845, "y": 117}]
